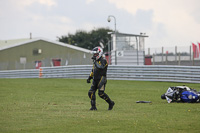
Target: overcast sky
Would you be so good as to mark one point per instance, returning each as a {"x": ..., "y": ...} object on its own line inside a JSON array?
[{"x": 166, "y": 22}]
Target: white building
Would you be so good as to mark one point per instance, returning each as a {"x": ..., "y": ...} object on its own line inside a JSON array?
[{"x": 127, "y": 49}]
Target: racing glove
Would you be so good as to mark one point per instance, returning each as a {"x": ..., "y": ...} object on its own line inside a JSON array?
[{"x": 89, "y": 78}]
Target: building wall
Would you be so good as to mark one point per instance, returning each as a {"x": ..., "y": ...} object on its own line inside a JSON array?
[
  {"x": 127, "y": 57},
  {"x": 10, "y": 58}
]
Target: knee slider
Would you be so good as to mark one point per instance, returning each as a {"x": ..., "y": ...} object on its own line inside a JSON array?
[
  {"x": 101, "y": 94},
  {"x": 91, "y": 95}
]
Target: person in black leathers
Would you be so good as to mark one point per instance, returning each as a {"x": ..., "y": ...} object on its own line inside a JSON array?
[{"x": 98, "y": 75}]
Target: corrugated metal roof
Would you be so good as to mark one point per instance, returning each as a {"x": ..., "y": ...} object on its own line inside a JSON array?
[{"x": 5, "y": 44}]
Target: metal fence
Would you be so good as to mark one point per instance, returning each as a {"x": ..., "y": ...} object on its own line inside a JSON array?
[
  {"x": 177, "y": 55},
  {"x": 184, "y": 74},
  {"x": 26, "y": 73}
]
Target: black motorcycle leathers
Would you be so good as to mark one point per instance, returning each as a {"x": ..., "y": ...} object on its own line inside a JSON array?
[{"x": 98, "y": 74}]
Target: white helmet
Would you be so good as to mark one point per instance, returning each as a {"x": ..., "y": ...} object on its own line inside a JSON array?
[{"x": 97, "y": 53}]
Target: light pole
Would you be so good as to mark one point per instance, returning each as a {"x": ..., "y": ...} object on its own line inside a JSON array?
[
  {"x": 109, "y": 19},
  {"x": 114, "y": 37}
]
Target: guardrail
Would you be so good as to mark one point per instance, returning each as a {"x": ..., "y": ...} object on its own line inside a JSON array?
[
  {"x": 185, "y": 74},
  {"x": 27, "y": 73}
]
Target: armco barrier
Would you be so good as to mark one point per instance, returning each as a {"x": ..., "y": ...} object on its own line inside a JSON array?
[
  {"x": 185, "y": 74},
  {"x": 27, "y": 73}
]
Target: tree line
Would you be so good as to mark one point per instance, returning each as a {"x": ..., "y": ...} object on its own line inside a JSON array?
[{"x": 88, "y": 40}]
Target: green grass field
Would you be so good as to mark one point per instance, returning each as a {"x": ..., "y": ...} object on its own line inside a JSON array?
[{"x": 62, "y": 105}]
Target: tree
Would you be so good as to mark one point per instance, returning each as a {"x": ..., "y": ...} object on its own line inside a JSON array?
[{"x": 88, "y": 40}]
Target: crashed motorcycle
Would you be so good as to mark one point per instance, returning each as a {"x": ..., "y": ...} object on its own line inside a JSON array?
[{"x": 181, "y": 94}]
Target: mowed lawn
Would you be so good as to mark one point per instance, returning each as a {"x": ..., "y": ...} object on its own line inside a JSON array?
[{"x": 62, "y": 105}]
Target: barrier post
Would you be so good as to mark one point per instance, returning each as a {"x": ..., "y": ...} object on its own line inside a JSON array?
[{"x": 40, "y": 73}]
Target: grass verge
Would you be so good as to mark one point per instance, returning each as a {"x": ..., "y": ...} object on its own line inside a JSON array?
[{"x": 62, "y": 105}]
